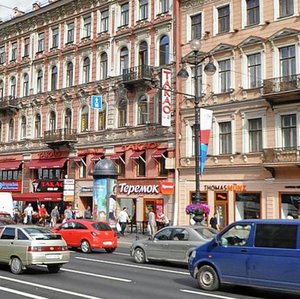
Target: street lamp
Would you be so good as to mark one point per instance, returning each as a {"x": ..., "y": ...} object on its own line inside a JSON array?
[{"x": 195, "y": 58}]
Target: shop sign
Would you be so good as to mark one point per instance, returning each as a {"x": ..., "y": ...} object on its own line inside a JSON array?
[
  {"x": 86, "y": 189},
  {"x": 48, "y": 185},
  {"x": 52, "y": 155},
  {"x": 166, "y": 188},
  {"x": 233, "y": 187},
  {"x": 69, "y": 189},
  {"x": 140, "y": 146},
  {"x": 166, "y": 106},
  {"x": 138, "y": 189},
  {"x": 11, "y": 186}
]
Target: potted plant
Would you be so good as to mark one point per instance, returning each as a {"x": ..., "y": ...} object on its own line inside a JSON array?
[{"x": 197, "y": 210}]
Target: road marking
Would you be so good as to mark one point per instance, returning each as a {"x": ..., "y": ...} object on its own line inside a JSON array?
[
  {"x": 132, "y": 266},
  {"x": 28, "y": 295},
  {"x": 206, "y": 294},
  {"x": 49, "y": 288},
  {"x": 120, "y": 253}
]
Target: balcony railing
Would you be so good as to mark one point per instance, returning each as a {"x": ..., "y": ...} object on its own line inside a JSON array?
[
  {"x": 137, "y": 73},
  {"x": 7, "y": 103},
  {"x": 281, "y": 155},
  {"x": 60, "y": 136},
  {"x": 281, "y": 84}
]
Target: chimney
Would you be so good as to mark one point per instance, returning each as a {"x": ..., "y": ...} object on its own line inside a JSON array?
[
  {"x": 17, "y": 12},
  {"x": 36, "y": 5}
]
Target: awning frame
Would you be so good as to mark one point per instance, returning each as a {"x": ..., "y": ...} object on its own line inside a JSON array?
[
  {"x": 162, "y": 155},
  {"x": 80, "y": 160},
  {"x": 136, "y": 157},
  {"x": 119, "y": 157}
]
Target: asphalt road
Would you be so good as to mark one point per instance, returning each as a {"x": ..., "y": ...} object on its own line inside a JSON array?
[{"x": 116, "y": 276}]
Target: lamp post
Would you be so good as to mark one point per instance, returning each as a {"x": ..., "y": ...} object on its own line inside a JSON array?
[{"x": 196, "y": 58}]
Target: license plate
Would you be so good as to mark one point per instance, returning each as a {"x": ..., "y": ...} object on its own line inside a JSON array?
[
  {"x": 53, "y": 256},
  {"x": 107, "y": 243}
]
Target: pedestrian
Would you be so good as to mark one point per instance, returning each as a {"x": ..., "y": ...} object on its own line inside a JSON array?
[
  {"x": 87, "y": 213},
  {"x": 151, "y": 222},
  {"x": 54, "y": 216},
  {"x": 43, "y": 215},
  {"x": 28, "y": 212},
  {"x": 68, "y": 213},
  {"x": 112, "y": 205},
  {"x": 123, "y": 220},
  {"x": 214, "y": 222}
]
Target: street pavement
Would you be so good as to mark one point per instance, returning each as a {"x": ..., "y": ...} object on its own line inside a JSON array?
[{"x": 129, "y": 238}]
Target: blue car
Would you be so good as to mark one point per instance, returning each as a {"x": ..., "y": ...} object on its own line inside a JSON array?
[{"x": 253, "y": 252}]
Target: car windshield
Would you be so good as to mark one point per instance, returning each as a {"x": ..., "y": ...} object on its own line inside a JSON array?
[
  {"x": 101, "y": 226},
  {"x": 40, "y": 233},
  {"x": 6, "y": 216},
  {"x": 205, "y": 232}
]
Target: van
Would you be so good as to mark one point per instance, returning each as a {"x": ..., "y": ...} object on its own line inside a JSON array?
[
  {"x": 6, "y": 203},
  {"x": 253, "y": 252}
]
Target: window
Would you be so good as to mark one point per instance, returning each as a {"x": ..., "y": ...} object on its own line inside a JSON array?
[
  {"x": 104, "y": 21},
  {"x": 53, "y": 78},
  {"x": 8, "y": 175},
  {"x": 52, "y": 174},
  {"x": 86, "y": 70},
  {"x": 23, "y": 127},
  {"x": 223, "y": 19},
  {"x": 143, "y": 54},
  {"x": 124, "y": 60},
  {"x": 40, "y": 81},
  {"x": 143, "y": 9},
  {"x": 1, "y": 90},
  {"x": 255, "y": 135},
  {"x": 237, "y": 235},
  {"x": 247, "y": 205},
  {"x": 287, "y": 61},
  {"x": 125, "y": 14},
  {"x": 289, "y": 131},
  {"x": 13, "y": 86},
  {"x": 102, "y": 118},
  {"x": 225, "y": 75},
  {"x": 161, "y": 161},
  {"x": 41, "y": 42},
  {"x": 122, "y": 113},
  {"x": 37, "y": 126},
  {"x": 84, "y": 119},
  {"x": 55, "y": 37},
  {"x": 252, "y": 12},
  {"x": 9, "y": 233},
  {"x": 14, "y": 49},
  {"x": 26, "y": 46},
  {"x": 141, "y": 165},
  {"x": 70, "y": 33},
  {"x": 120, "y": 161},
  {"x": 103, "y": 66},
  {"x": 142, "y": 110},
  {"x": 290, "y": 205},
  {"x": 68, "y": 120},
  {"x": 87, "y": 27},
  {"x": 164, "y": 50},
  {"x": 254, "y": 70},
  {"x": 25, "y": 85},
  {"x": 52, "y": 121},
  {"x": 2, "y": 55},
  {"x": 225, "y": 138},
  {"x": 163, "y": 6},
  {"x": 69, "y": 78},
  {"x": 286, "y": 8},
  {"x": 196, "y": 23},
  {"x": 11, "y": 130},
  {"x": 82, "y": 168}
]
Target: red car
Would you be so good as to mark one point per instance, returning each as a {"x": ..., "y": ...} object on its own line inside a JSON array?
[{"x": 88, "y": 235}]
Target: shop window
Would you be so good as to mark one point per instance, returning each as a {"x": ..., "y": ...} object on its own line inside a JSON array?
[
  {"x": 52, "y": 174},
  {"x": 15, "y": 175},
  {"x": 247, "y": 205},
  {"x": 290, "y": 205}
]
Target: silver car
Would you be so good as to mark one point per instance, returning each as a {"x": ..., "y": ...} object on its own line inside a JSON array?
[
  {"x": 22, "y": 246},
  {"x": 172, "y": 243}
]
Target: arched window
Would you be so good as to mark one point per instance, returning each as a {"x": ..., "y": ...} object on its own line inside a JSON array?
[
  {"x": 142, "y": 110},
  {"x": 69, "y": 78},
  {"x": 37, "y": 126},
  {"x": 124, "y": 60},
  {"x": 25, "y": 85},
  {"x": 84, "y": 119},
  {"x": 39, "y": 85},
  {"x": 164, "y": 50},
  {"x": 122, "y": 113},
  {"x": 1, "y": 89},
  {"x": 103, "y": 66},
  {"x": 102, "y": 118},
  {"x": 23, "y": 127},
  {"x": 13, "y": 86},
  {"x": 52, "y": 121},
  {"x": 53, "y": 78},
  {"x": 68, "y": 120},
  {"x": 143, "y": 53},
  {"x": 86, "y": 70},
  {"x": 11, "y": 130}
]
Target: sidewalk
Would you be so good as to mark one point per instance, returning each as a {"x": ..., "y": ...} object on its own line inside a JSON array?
[{"x": 129, "y": 238}]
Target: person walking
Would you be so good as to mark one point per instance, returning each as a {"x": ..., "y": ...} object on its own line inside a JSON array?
[
  {"x": 68, "y": 213},
  {"x": 123, "y": 219},
  {"x": 151, "y": 222},
  {"x": 87, "y": 213},
  {"x": 214, "y": 222},
  {"x": 54, "y": 216},
  {"x": 28, "y": 212},
  {"x": 43, "y": 215}
]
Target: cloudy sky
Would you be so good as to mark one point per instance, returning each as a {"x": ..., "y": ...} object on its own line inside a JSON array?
[{"x": 6, "y": 6}]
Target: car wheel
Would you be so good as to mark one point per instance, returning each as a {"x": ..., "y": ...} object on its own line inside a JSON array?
[
  {"x": 85, "y": 246},
  {"x": 139, "y": 255},
  {"x": 16, "y": 266},
  {"x": 53, "y": 268},
  {"x": 110, "y": 250},
  {"x": 208, "y": 278}
]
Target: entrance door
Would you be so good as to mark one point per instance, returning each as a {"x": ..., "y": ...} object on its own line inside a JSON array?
[{"x": 221, "y": 208}]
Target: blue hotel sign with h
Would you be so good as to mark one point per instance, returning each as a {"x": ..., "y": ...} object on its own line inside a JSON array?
[{"x": 97, "y": 102}]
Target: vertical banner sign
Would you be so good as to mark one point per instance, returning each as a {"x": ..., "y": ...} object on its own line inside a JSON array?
[
  {"x": 166, "y": 100},
  {"x": 205, "y": 128},
  {"x": 100, "y": 199},
  {"x": 69, "y": 190}
]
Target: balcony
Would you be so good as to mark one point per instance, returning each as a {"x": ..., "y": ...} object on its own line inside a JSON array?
[
  {"x": 60, "y": 137},
  {"x": 8, "y": 104},
  {"x": 281, "y": 156},
  {"x": 137, "y": 76},
  {"x": 282, "y": 90}
]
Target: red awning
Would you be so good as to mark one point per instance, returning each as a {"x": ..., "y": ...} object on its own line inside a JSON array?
[
  {"x": 78, "y": 159},
  {"x": 47, "y": 163},
  {"x": 38, "y": 196},
  {"x": 116, "y": 156},
  {"x": 159, "y": 153},
  {"x": 10, "y": 165},
  {"x": 97, "y": 157},
  {"x": 136, "y": 155}
]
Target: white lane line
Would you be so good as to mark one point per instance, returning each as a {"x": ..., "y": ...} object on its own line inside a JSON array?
[
  {"x": 207, "y": 294},
  {"x": 132, "y": 266},
  {"x": 96, "y": 275},
  {"x": 120, "y": 253},
  {"x": 49, "y": 288},
  {"x": 28, "y": 295}
]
